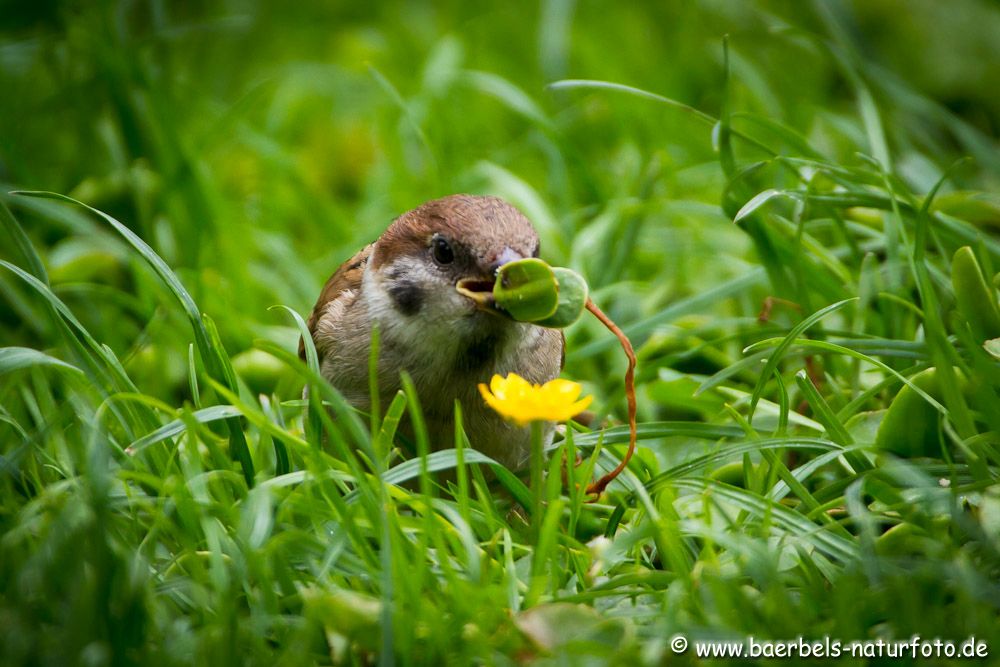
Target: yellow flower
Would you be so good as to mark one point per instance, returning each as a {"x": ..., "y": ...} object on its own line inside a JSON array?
[{"x": 517, "y": 399}]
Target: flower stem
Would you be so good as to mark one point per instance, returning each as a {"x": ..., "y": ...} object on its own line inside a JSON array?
[
  {"x": 596, "y": 488},
  {"x": 537, "y": 490}
]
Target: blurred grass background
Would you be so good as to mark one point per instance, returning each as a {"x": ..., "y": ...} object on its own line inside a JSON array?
[{"x": 255, "y": 146}]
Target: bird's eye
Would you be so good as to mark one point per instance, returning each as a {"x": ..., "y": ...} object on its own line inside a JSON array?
[{"x": 441, "y": 250}]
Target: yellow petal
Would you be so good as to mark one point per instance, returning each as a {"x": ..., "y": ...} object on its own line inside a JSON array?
[
  {"x": 497, "y": 385},
  {"x": 516, "y": 399},
  {"x": 561, "y": 386},
  {"x": 518, "y": 384},
  {"x": 580, "y": 406},
  {"x": 490, "y": 399},
  {"x": 561, "y": 391}
]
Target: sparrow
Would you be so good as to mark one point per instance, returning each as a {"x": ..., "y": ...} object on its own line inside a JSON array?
[{"x": 426, "y": 283}]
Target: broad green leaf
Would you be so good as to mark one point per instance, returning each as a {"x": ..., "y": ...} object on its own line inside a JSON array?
[
  {"x": 909, "y": 428},
  {"x": 976, "y": 300}
]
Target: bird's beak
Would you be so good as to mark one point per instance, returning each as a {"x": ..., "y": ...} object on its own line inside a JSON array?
[{"x": 480, "y": 290}]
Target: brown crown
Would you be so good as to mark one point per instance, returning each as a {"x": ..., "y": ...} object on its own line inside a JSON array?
[{"x": 484, "y": 226}]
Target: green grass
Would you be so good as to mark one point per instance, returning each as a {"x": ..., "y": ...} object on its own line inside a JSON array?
[{"x": 774, "y": 218}]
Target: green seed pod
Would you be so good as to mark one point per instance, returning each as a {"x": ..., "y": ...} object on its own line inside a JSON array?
[
  {"x": 977, "y": 301},
  {"x": 572, "y": 299},
  {"x": 527, "y": 290}
]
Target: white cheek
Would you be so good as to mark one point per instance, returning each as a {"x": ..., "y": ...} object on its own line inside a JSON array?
[{"x": 442, "y": 308}]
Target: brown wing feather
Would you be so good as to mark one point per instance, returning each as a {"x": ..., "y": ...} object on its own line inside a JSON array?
[{"x": 346, "y": 277}]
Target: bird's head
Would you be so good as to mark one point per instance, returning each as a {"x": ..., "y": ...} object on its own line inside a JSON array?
[{"x": 439, "y": 261}]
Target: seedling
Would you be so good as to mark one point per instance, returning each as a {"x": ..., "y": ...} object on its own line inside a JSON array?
[{"x": 529, "y": 290}]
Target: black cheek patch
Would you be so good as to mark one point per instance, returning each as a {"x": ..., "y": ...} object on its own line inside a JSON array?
[{"x": 407, "y": 297}]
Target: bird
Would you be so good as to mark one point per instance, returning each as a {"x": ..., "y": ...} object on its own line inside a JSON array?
[{"x": 425, "y": 283}]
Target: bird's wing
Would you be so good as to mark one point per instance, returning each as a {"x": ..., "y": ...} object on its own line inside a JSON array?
[{"x": 346, "y": 278}]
